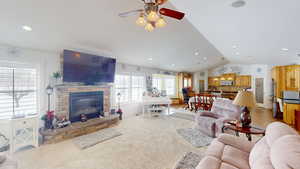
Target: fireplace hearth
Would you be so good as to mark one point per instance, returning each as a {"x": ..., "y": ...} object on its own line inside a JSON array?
[{"x": 88, "y": 103}]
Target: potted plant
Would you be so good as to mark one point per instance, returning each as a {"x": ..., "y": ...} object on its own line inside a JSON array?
[{"x": 56, "y": 76}]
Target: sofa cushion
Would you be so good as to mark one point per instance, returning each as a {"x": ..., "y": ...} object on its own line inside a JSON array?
[
  {"x": 227, "y": 166},
  {"x": 2, "y": 158},
  {"x": 209, "y": 162},
  {"x": 285, "y": 152},
  {"x": 276, "y": 130},
  {"x": 260, "y": 154},
  {"x": 237, "y": 142},
  {"x": 236, "y": 157},
  {"x": 215, "y": 149}
]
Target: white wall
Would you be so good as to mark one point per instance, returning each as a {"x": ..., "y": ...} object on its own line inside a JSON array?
[
  {"x": 130, "y": 109},
  {"x": 45, "y": 62},
  {"x": 202, "y": 75},
  {"x": 256, "y": 71},
  {"x": 49, "y": 62}
]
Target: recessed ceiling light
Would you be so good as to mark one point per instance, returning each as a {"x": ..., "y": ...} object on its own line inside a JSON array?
[
  {"x": 238, "y": 4},
  {"x": 27, "y": 28},
  {"x": 234, "y": 46},
  {"x": 150, "y": 59},
  {"x": 196, "y": 53},
  {"x": 285, "y": 49},
  {"x": 205, "y": 58}
]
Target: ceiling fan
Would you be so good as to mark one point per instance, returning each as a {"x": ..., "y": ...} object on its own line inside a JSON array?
[{"x": 152, "y": 15}]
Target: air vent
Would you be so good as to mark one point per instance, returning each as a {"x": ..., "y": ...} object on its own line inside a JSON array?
[{"x": 238, "y": 4}]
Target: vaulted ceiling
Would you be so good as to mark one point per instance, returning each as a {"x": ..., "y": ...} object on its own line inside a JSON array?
[
  {"x": 262, "y": 31},
  {"x": 95, "y": 25}
]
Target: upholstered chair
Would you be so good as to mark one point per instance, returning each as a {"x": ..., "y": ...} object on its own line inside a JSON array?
[{"x": 211, "y": 122}]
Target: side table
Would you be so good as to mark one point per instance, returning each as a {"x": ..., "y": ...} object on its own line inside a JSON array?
[{"x": 248, "y": 131}]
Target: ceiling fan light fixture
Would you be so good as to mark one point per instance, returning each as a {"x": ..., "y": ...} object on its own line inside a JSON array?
[
  {"x": 141, "y": 21},
  {"x": 149, "y": 27},
  {"x": 160, "y": 23},
  {"x": 152, "y": 16}
]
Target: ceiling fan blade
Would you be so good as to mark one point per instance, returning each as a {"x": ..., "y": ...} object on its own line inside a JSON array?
[
  {"x": 130, "y": 13},
  {"x": 160, "y": 2},
  {"x": 171, "y": 13}
]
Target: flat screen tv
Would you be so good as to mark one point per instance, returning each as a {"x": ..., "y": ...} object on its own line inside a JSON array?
[{"x": 88, "y": 69}]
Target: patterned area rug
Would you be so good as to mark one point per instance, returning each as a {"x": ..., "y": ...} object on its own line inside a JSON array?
[
  {"x": 184, "y": 116},
  {"x": 195, "y": 137},
  {"x": 189, "y": 161},
  {"x": 92, "y": 139}
]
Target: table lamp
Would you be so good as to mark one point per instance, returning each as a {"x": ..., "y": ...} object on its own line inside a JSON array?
[{"x": 247, "y": 101}]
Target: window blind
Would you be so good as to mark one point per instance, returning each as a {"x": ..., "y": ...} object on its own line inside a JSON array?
[
  {"x": 18, "y": 91},
  {"x": 138, "y": 88}
]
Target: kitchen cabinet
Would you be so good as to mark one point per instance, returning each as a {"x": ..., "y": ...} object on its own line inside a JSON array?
[
  {"x": 289, "y": 113},
  {"x": 285, "y": 78},
  {"x": 292, "y": 77},
  {"x": 214, "y": 81},
  {"x": 228, "y": 76},
  {"x": 243, "y": 81}
]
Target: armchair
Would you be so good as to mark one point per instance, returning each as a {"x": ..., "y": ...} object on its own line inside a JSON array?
[{"x": 211, "y": 122}]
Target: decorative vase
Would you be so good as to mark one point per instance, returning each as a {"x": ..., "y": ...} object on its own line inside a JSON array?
[{"x": 245, "y": 118}]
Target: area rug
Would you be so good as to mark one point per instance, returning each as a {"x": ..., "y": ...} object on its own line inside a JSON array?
[
  {"x": 195, "y": 137},
  {"x": 184, "y": 116},
  {"x": 189, "y": 161},
  {"x": 92, "y": 139}
]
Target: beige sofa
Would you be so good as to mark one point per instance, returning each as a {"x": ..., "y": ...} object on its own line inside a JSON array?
[
  {"x": 7, "y": 162},
  {"x": 279, "y": 149}
]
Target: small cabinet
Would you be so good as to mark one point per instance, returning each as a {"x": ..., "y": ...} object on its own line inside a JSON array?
[
  {"x": 289, "y": 113},
  {"x": 285, "y": 78},
  {"x": 214, "y": 81},
  {"x": 292, "y": 77},
  {"x": 243, "y": 81}
]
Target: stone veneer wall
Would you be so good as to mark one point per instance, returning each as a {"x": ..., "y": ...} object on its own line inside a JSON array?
[{"x": 62, "y": 94}]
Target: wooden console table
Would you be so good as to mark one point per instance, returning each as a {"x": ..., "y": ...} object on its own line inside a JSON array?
[{"x": 78, "y": 129}]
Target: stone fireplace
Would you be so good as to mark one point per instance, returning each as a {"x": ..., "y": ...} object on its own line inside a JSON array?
[{"x": 71, "y": 101}]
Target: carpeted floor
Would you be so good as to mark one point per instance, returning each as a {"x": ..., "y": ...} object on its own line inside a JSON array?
[{"x": 146, "y": 143}]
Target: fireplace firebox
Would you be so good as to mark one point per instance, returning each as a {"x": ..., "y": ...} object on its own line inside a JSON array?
[{"x": 87, "y": 103}]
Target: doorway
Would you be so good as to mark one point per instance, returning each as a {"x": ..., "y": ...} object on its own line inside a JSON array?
[
  {"x": 201, "y": 86},
  {"x": 259, "y": 90}
]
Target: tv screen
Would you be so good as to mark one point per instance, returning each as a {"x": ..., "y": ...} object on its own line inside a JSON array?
[{"x": 87, "y": 68}]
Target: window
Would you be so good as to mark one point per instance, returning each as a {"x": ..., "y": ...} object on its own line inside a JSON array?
[
  {"x": 170, "y": 84},
  {"x": 18, "y": 92},
  {"x": 138, "y": 88},
  {"x": 165, "y": 82},
  {"x": 130, "y": 87},
  {"x": 157, "y": 83},
  {"x": 122, "y": 84}
]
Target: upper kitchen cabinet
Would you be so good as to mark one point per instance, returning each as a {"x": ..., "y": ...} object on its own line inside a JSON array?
[
  {"x": 243, "y": 81},
  {"x": 285, "y": 78},
  {"x": 293, "y": 77}
]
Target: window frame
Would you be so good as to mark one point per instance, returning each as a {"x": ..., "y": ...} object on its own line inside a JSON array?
[
  {"x": 163, "y": 84},
  {"x": 35, "y": 90},
  {"x": 130, "y": 88}
]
